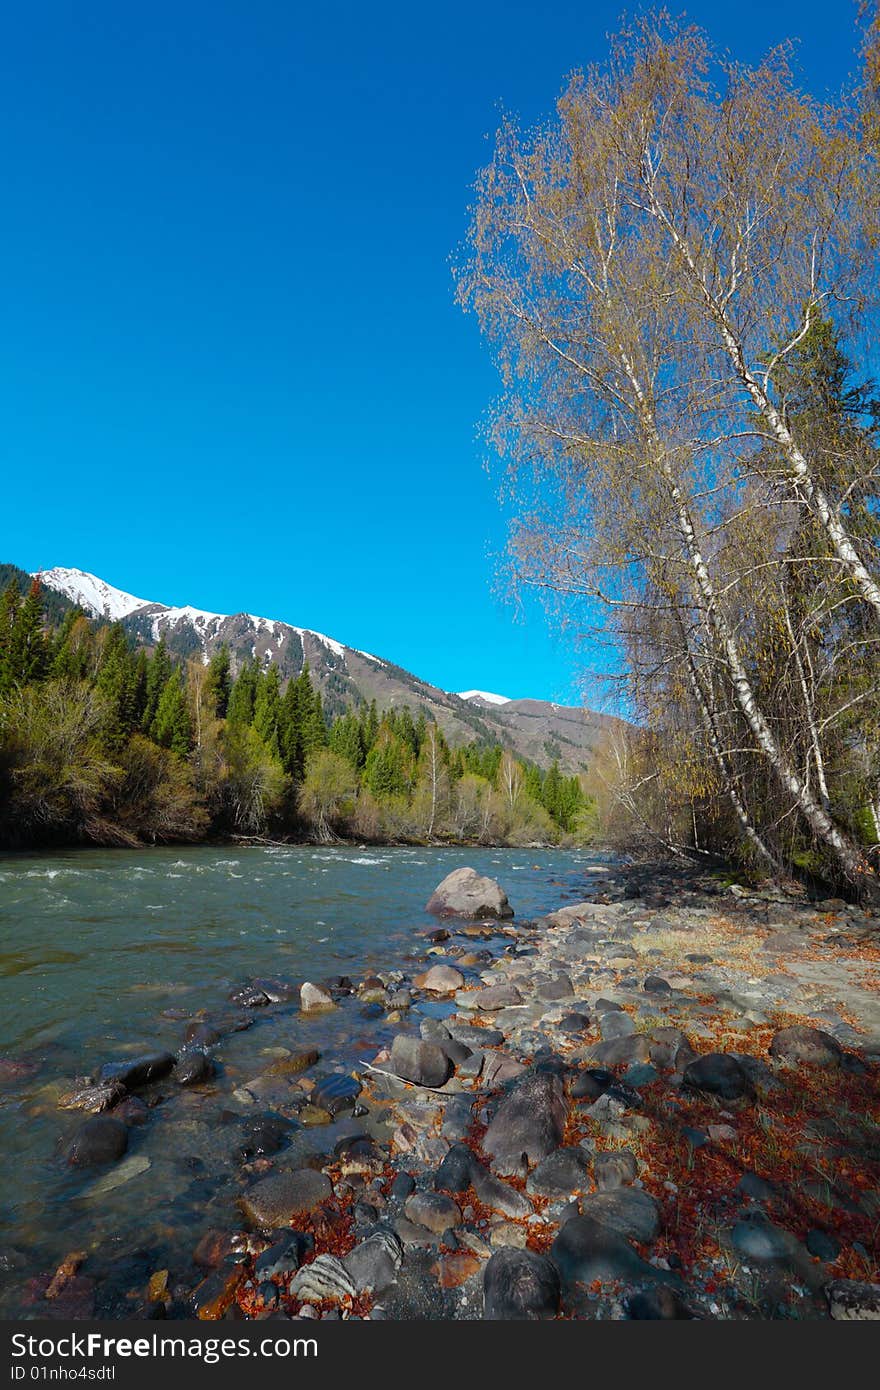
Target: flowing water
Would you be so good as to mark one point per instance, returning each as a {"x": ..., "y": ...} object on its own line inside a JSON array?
[{"x": 105, "y": 954}]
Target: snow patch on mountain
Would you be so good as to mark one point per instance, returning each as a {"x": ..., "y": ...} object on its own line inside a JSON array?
[
  {"x": 329, "y": 642},
  {"x": 199, "y": 618},
  {"x": 484, "y": 695}
]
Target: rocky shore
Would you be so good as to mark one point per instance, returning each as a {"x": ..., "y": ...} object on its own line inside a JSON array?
[{"x": 660, "y": 1101}]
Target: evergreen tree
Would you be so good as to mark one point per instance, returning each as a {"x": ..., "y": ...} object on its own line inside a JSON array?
[
  {"x": 116, "y": 680},
  {"x": 267, "y": 709},
  {"x": 171, "y": 726},
  {"x": 158, "y": 675},
  {"x": 302, "y": 728},
  {"x": 345, "y": 739},
  {"x": 220, "y": 680},
  {"x": 139, "y": 698},
  {"x": 533, "y": 783},
  {"x": 27, "y": 645},
  {"x": 9, "y": 606},
  {"x": 240, "y": 708},
  {"x": 314, "y": 728},
  {"x": 69, "y": 649},
  {"x": 388, "y": 771},
  {"x": 421, "y": 731},
  {"x": 369, "y": 724}
]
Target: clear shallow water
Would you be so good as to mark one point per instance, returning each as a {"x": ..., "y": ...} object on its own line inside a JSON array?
[{"x": 107, "y": 953}]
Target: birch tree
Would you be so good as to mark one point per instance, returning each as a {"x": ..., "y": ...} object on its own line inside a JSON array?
[{"x": 623, "y": 421}]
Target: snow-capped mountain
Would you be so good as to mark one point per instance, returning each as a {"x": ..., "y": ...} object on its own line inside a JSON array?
[
  {"x": 103, "y": 600},
  {"x": 534, "y": 729}
]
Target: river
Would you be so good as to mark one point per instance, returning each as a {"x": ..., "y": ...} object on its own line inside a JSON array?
[{"x": 104, "y": 954}]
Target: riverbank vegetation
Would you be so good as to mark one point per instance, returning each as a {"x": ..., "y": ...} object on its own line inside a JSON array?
[
  {"x": 107, "y": 743},
  {"x": 677, "y": 272}
]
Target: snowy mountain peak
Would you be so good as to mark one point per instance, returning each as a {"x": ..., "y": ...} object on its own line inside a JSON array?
[
  {"x": 91, "y": 593},
  {"x": 484, "y": 695},
  {"x": 102, "y": 600}
]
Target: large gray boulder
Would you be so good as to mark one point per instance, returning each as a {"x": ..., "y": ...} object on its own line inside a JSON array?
[
  {"x": 422, "y": 1063},
  {"x": 520, "y": 1285},
  {"x": 806, "y": 1046},
  {"x": 630, "y": 1211},
  {"x": 465, "y": 893},
  {"x": 586, "y": 1249},
  {"x": 373, "y": 1265},
  {"x": 719, "y": 1074},
  {"x": 528, "y": 1124}
]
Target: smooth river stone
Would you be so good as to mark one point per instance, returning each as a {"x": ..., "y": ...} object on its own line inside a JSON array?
[
  {"x": 440, "y": 979},
  {"x": 102, "y": 1139},
  {"x": 140, "y": 1071},
  {"x": 275, "y": 1200}
]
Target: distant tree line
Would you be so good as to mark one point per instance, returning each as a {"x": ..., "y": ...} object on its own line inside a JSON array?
[{"x": 106, "y": 742}]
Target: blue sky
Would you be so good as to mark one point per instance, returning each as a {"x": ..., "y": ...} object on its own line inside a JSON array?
[{"x": 231, "y": 370}]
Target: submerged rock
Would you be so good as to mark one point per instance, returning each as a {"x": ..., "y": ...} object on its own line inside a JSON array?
[
  {"x": 202, "y": 1034},
  {"x": 336, "y": 1092},
  {"x": 94, "y": 1098},
  {"x": 130, "y": 1167},
  {"x": 265, "y": 1134},
  {"x": 215, "y": 1295},
  {"x": 296, "y": 1062},
  {"x": 101, "y": 1139},
  {"x": 249, "y": 997},
  {"x": 194, "y": 1066},
  {"x": 465, "y": 893}
]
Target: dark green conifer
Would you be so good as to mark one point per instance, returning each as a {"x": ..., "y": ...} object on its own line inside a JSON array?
[
  {"x": 158, "y": 675},
  {"x": 220, "y": 680},
  {"x": 171, "y": 726}
]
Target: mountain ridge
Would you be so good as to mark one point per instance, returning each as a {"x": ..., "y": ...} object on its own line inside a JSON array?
[{"x": 538, "y": 730}]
